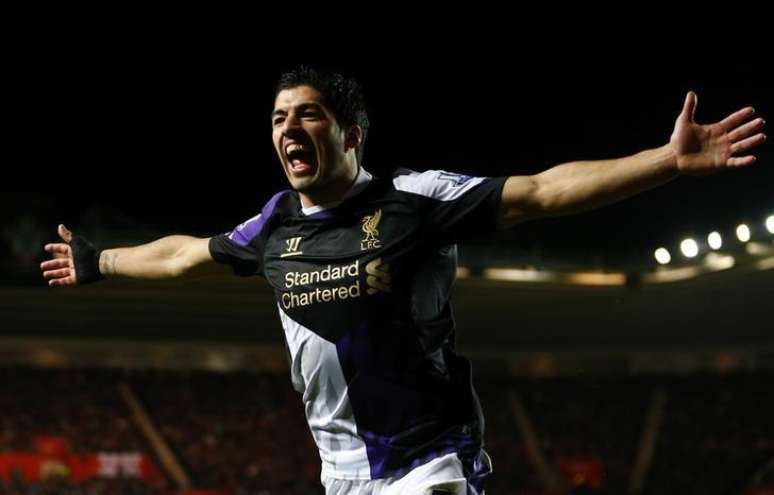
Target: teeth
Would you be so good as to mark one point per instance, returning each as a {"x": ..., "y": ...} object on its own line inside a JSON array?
[{"x": 296, "y": 147}]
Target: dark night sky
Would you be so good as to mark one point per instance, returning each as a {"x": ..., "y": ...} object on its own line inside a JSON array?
[{"x": 161, "y": 112}]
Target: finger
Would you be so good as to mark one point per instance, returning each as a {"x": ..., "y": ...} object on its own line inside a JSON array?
[
  {"x": 58, "y": 249},
  {"x": 55, "y": 264},
  {"x": 737, "y": 118},
  {"x": 53, "y": 274},
  {"x": 740, "y": 161},
  {"x": 689, "y": 107},
  {"x": 746, "y": 130},
  {"x": 748, "y": 144},
  {"x": 61, "y": 281},
  {"x": 65, "y": 234}
]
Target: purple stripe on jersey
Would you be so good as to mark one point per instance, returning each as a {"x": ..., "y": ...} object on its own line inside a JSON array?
[
  {"x": 350, "y": 347},
  {"x": 243, "y": 234},
  {"x": 382, "y": 457}
]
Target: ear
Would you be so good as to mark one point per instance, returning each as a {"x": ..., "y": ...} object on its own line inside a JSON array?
[{"x": 354, "y": 137}]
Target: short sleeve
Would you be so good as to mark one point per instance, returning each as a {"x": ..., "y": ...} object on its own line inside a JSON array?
[
  {"x": 454, "y": 207},
  {"x": 242, "y": 248}
]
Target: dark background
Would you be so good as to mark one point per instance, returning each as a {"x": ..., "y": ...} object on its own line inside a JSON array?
[
  {"x": 148, "y": 118},
  {"x": 157, "y": 115}
]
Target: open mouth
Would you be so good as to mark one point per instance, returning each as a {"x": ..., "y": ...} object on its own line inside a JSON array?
[{"x": 302, "y": 159}]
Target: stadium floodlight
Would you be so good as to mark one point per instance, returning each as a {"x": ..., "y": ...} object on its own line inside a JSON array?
[
  {"x": 662, "y": 256},
  {"x": 714, "y": 240},
  {"x": 689, "y": 248},
  {"x": 770, "y": 224},
  {"x": 743, "y": 232}
]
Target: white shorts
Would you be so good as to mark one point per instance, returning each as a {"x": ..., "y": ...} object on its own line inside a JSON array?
[{"x": 443, "y": 475}]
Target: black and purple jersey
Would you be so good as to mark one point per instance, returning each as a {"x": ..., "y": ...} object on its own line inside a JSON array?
[{"x": 362, "y": 289}]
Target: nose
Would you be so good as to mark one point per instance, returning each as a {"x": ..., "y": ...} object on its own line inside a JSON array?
[{"x": 290, "y": 124}]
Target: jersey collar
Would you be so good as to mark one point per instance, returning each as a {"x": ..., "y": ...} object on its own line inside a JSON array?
[{"x": 361, "y": 182}]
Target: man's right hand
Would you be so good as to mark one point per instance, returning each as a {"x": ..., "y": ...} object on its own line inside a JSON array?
[{"x": 74, "y": 262}]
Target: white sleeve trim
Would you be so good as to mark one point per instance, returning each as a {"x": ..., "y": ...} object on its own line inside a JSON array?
[
  {"x": 436, "y": 184},
  {"x": 244, "y": 232}
]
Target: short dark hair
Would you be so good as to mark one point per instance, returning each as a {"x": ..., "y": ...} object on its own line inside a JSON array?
[{"x": 341, "y": 94}]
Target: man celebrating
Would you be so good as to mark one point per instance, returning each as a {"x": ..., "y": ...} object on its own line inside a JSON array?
[{"x": 362, "y": 270}]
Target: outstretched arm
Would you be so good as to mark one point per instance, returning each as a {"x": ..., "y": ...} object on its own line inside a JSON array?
[
  {"x": 75, "y": 261},
  {"x": 693, "y": 149}
]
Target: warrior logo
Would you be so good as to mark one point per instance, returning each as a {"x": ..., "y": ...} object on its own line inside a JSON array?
[{"x": 292, "y": 249}]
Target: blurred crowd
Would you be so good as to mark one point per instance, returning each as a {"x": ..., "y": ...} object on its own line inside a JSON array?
[{"x": 245, "y": 433}]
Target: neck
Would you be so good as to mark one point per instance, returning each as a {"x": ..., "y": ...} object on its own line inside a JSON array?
[{"x": 332, "y": 192}]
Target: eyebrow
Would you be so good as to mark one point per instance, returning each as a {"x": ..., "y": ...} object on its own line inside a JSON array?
[{"x": 299, "y": 108}]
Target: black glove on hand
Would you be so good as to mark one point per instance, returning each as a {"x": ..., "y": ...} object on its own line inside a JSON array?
[{"x": 86, "y": 259}]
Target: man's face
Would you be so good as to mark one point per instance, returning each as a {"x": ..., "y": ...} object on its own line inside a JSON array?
[{"x": 308, "y": 140}]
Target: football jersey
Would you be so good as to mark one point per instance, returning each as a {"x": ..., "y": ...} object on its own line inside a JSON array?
[{"x": 362, "y": 290}]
